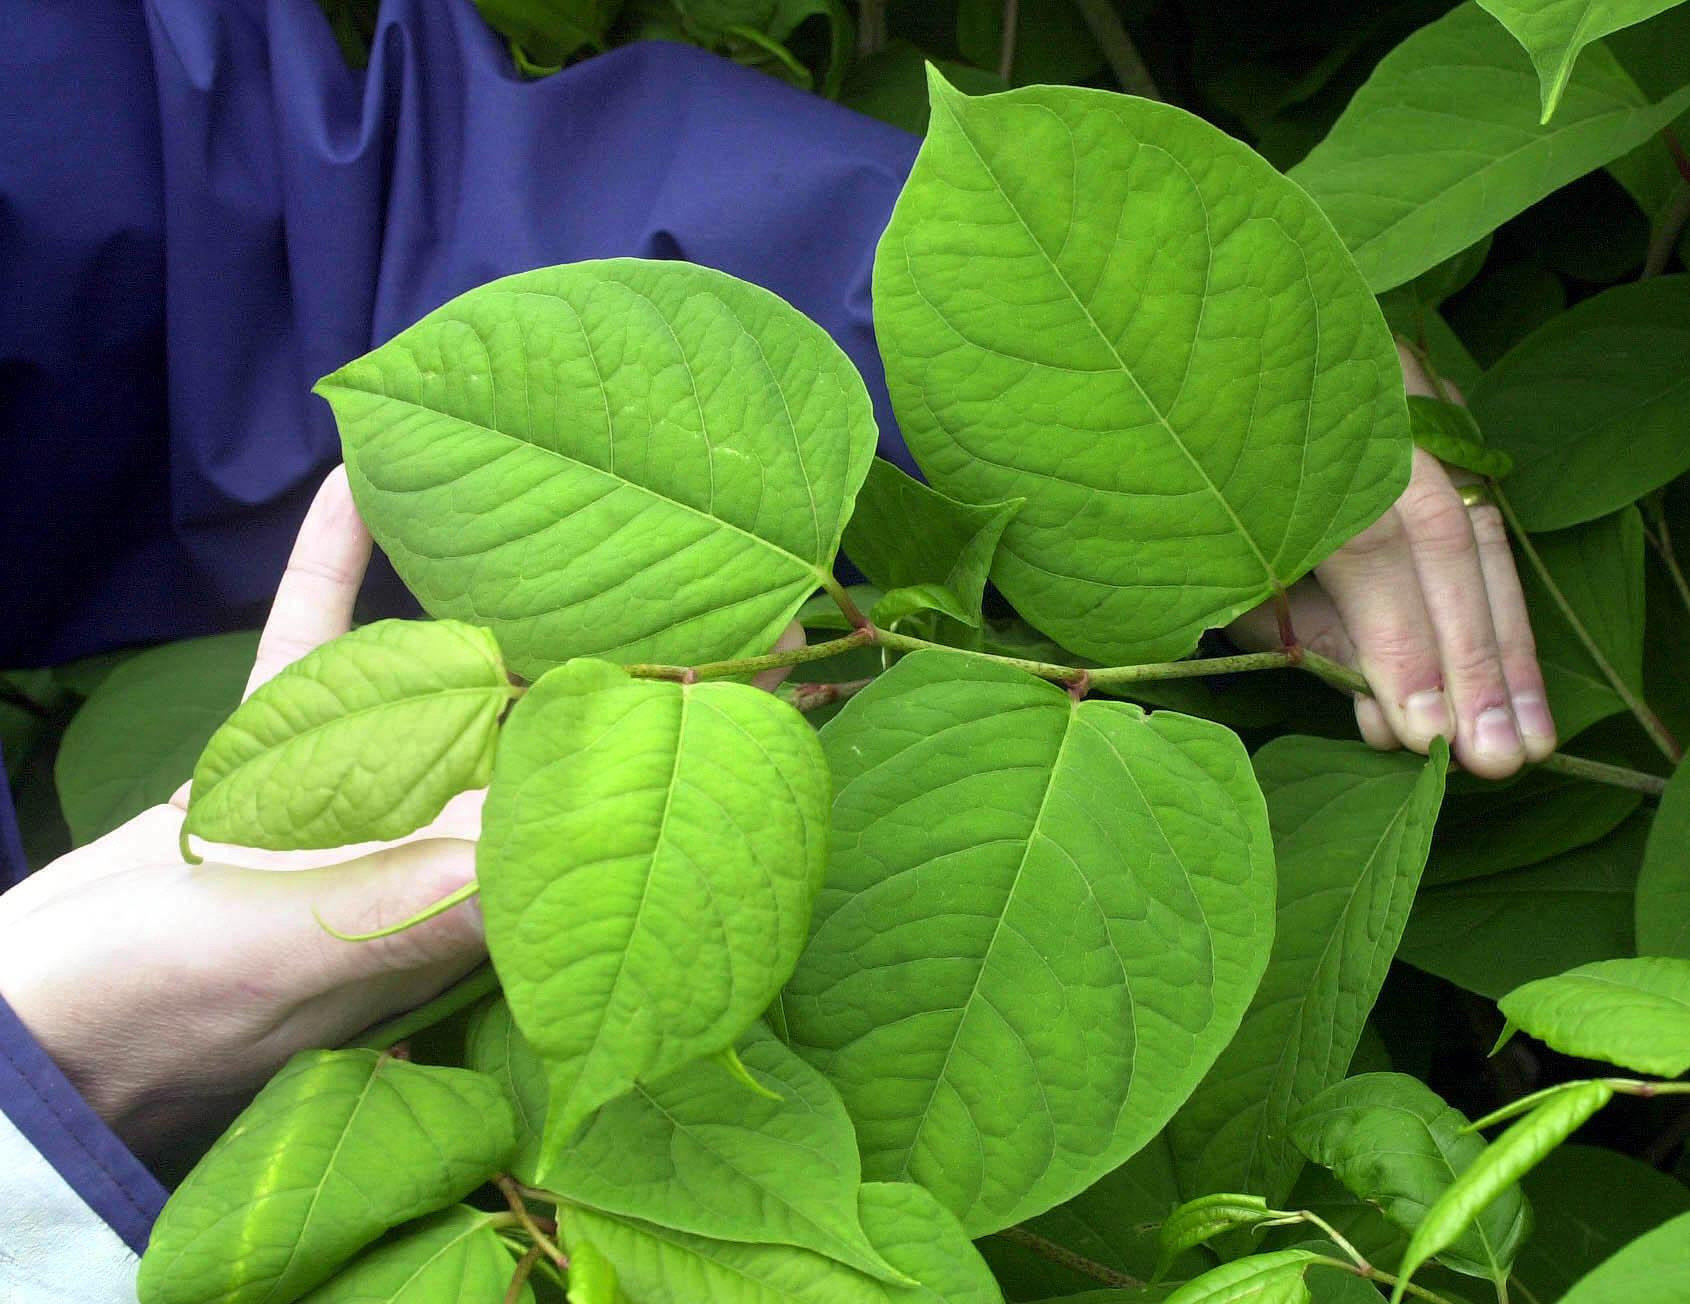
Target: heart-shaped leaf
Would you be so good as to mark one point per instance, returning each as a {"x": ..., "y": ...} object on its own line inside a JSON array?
[
  {"x": 365, "y": 738},
  {"x": 1110, "y": 308},
  {"x": 648, "y": 859},
  {"x": 649, "y": 461},
  {"x": 1041, "y": 923}
]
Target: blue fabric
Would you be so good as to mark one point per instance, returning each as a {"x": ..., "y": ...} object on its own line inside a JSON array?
[
  {"x": 202, "y": 210},
  {"x": 13, "y": 868}
]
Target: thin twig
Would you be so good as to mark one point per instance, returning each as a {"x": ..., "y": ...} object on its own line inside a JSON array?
[
  {"x": 513, "y": 1197},
  {"x": 1661, "y": 538},
  {"x": 1668, "y": 227},
  {"x": 524, "y": 1269},
  {"x": 1048, "y": 1249},
  {"x": 1117, "y": 45},
  {"x": 1006, "y": 51},
  {"x": 871, "y": 27},
  {"x": 1615, "y": 776},
  {"x": 810, "y": 697}
]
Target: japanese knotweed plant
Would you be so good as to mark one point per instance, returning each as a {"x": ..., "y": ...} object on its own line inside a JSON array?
[{"x": 775, "y": 1014}]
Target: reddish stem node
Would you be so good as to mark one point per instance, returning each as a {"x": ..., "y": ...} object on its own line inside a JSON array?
[{"x": 1080, "y": 685}]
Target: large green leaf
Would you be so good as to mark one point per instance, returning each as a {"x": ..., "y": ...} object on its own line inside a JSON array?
[
  {"x": 365, "y": 738},
  {"x": 1663, "y": 885},
  {"x": 1588, "y": 1203},
  {"x": 1274, "y": 1278},
  {"x": 1593, "y": 405},
  {"x": 340, "y": 1146},
  {"x": 647, "y": 461},
  {"x": 1443, "y": 144},
  {"x": 1395, "y": 1143},
  {"x": 1553, "y": 32},
  {"x": 494, "y": 1045},
  {"x": 1491, "y": 934},
  {"x": 905, "y": 534},
  {"x": 1108, "y": 307},
  {"x": 135, "y": 739},
  {"x": 1351, "y": 829},
  {"x": 648, "y": 859},
  {"x": 454, "y": 1255},
  {"x": 1598, "y": 567},
  {"x": 1633, "y": 1012},
  {"x": 656, "y": 1265},
  {"x": 1653, "y": 1269},
  {"x": 1042, "y": 922},
  {"x": 696, "y": 1152},
  {"x": 1541, "y": 816}
]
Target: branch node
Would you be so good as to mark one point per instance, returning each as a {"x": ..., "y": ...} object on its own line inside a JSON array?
[
  {"x": 1080, "y": 685},
  {"x": 689, "y": 675}
]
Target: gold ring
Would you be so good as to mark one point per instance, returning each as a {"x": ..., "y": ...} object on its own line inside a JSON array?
[{"x": 1475, "y": 495}]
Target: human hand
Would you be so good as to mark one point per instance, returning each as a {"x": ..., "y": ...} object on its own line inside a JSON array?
[{"x": 1426, "y": 603}]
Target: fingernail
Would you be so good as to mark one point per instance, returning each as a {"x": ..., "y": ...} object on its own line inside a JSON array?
[
  {"x": 1428, "y": 714},
  {"x": 1532, "y": 713},
  {"x": 1495, "y": 734}
]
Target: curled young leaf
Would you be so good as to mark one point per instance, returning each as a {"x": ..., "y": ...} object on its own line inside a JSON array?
[
  {"x": 1632, "y": 1012},
  {"x": 1208, "y": 1216},
  {"x": 363, "y": 739}
]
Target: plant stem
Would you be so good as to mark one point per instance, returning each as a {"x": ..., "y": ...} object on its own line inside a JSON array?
[
  {"x": 1331, "y": 1232},
  {"x": 751, "y": 665},
  {"x": 11, "y": 695},
  {"x": 1047, "y": 1249},
  {"x": 1651, "y": 723},
  {"x": 1661, "y": 538},
  {"x": 524, "y": 1269},
  {"x": 1615, "y": 776},
  {"x": 871, "y": 27},
  {"x": 809, "y": 697},
  {"x": 1375, "y": 1274},
  {"x": 1006, "y": 51},
  {"x": 1668, "y": 227},
  {"x": 513, "y": 1197},
  {"x": 1118, "y": 48}
]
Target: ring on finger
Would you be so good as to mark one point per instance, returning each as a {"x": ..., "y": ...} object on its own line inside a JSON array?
[{"x": 1476, "y": 494}]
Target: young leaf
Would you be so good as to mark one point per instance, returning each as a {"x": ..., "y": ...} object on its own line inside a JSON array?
[
  {"x": 696, "y": 1152},
  {"x": 1653, "y": 1269},
  {"x": 1394, "y": 1143},
  {"x": 904, "y": 534},
  {"x": 1275, "y": 1278},
  {"x": 1592, "y": 406},
  {"x": 1448, "y": 432},
  {"x": 1553, "y": 32},
  {"x": 1206, "y": 1217},
  {"x": 1631, "y": 1012},
  {"x": 337, "y": 1148},
  {"x": 1042, "y": 921},
  {"x": 656, "y": 1265},
  {"x": 1110, "y": 308},
  {"x": 592, "y": 1277},
  {"x": 1495, "y": 1172},
  {"x": 648, "y": 859},
  {"x": 365, "y": 738},
  {"x": 1442, "y": 145},
  {"x": 1491, "y": 934},
  {"x": 454, "y": 1255},
  {"x": 1590, "y": 1202},
  {"x": 1351, "y": 830},
  {"x": 641, "y": 460},
  {"x": 1663, "y": 886},
  {"x": 135, "y": 740}
]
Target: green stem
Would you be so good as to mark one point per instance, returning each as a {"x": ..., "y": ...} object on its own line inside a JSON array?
[
  {"x": 1006, "y": 51},
  {"x": 1615, "y": 776},
  {"x": 1668, "y": 227},
  {"x": 1375, "y": 1274},
  {"x": 1661, "y": 537},
  {"x": 460, "y": 995},
  {"x": 871, "y": 27},
  {"x": 751, "y": 665},
  {"x": 1048, "y": 1249},
  {"x": 1651, "y": 723},
  {"x": 513, "y": 1197},
  {"x": 1332, "y": 1234},
  {"x": 1118, "y": 48}
]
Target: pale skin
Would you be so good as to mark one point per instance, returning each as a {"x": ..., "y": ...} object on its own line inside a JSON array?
[{"x": 168, "y": 992}]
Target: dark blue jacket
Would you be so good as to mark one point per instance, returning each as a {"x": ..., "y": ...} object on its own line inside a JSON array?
[{"x": 203, "y": 210}]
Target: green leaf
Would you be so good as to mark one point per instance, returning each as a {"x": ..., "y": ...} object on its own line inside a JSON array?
[
  {"x": 1448, "y": 432},
  {"x": 1653, "y": 1269},
  {"x": 1394, "y": 1143},
  {"x": 641, "y": 460},
  {"x": 1442, "y": 145},
  {"x": 1204, "y": 1218},
  {"x": 364, "y": 739},
  {"x": 592, "y": 1277},
  {"x": 1042, "y": 921},
  {"x": 1275, "y": 1278},
  {"x": 455, "y": 1255},
  {"x": 336, "y": 1149},
  {"x": 495, "y": 1046},
  {"x": 1496, "y": 1171},
  {"x": 1593, "y": 405},
  {"x": 1589, "y": 1203},
  {"x": 1491, "y": 934},
  {"x": 1351, "y": 829},
  {"x": 904, "y": 534},
  {"x": 648, "y": 859},
  {"x": 657, "y": 1265},
  {"x": 135, "y": 739},
  {"x": 1663, "y": 886},
  {"x": 1632, "y": 1012},
  {"x": 1195, "y": 414},
  {"x": 1553, "y": 32},
  {"x": 1598, "y": 567},
  {"x": 1541, "y": 816},
  {"x": 696, "y": 1152},
  {"x": 550, "y": 31}
]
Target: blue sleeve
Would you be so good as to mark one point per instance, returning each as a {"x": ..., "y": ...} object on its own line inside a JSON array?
[{"x": 226, "y": 212}]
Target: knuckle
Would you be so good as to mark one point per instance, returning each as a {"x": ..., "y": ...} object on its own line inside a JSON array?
[
  {"x": 1379, "y": 539},
  {"x": 1489, "y": 529},
  {"x": 1440, "y": 525}
]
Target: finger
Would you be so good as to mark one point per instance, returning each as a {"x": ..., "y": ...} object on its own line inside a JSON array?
[
  {"x": 1512, "y": 622},
  {"x": 791, "y": 638},
  {"x": 1376, "y": 592},
  {"x": 1446, "y": 559},
  {"x": 315, "y": 597}
]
